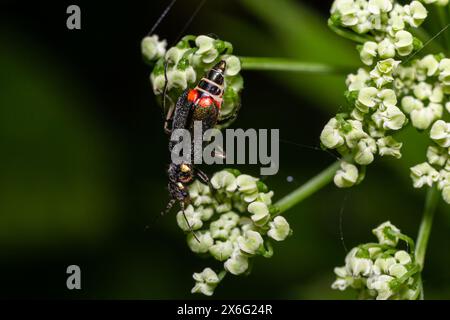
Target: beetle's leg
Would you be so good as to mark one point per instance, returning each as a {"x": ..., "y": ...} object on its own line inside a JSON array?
[
  {"x": 168, "y": 121},
  {"x": 187, "y": 221},
  {"x": 205, "y": 179}
]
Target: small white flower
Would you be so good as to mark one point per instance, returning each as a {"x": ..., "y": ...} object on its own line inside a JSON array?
[
  {"x": 205, "y": 282},
  {"x": 353, "y": 133},
  {"x": 233, "y": 65},
  {"x": 347, "y": 176},
  {"x": 251, "y": 242},
  {"x": 388, "y": 146},
  {"x": 423, "y": 90},
  {"x": 365, "y": 151},
  {"x": 368, "y": 52},
  {"x": 379, "y": 6},
  {"x": 404, "y": 42},
  {"x": 206, "y": 49},
  {"x": 403, "y": 257},
  {"x": 386, "y": 49},
  {"x": 260, "y": 212},
  {"x": 194, "y": 218},
  {"x": 330, "y": 136},
  {"x": 416, "y": 13},
  {"x": 359, "y": 266},
  {"x": 392, "y": 118},
  {"x": 383, "y": 264},
  {"x": 397, "y": 270},
  {"x": 201, "y": 242},
  {"x": 152, "y": 48},
  {"x": 224, "y": 180},
  {"x": 356, "y": 82},
  {"x": 423, "y": 174},
  {"x": 382, "y": 285},
  {"x": 437, "y": 156},
  {"x": 422, "y": 118},
  {"x": 247, "y": 185},
  {"x": 440, "y": 133},
  {"x": 387, "y": 233},
  {"x": 279, "y": 229},
  {"x": 221, "y": 250},
  {"x": 237, "y": 264},
  {"x": 410, "y": 103},
  {"x": 158, "y": 83},
  {"x": 430, "y": 64},
  {"x": 367, "y": 99}
]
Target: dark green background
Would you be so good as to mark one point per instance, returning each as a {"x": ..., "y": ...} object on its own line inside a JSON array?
[{"x": 83, "y": 154}]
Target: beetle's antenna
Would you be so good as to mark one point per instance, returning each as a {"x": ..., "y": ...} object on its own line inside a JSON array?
[
  {"x": 161, "y": 17},
  {"x": 427, "y": 43},
  {"x": 188, "y": 23},
  {"x": 197, "y": 9},
  {"x": 300, "y": 145}
]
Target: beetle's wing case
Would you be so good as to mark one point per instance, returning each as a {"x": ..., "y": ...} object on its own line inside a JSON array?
[{"x": 182, "y": 115}]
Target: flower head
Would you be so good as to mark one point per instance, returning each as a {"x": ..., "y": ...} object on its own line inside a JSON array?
[
  {"x": 231, "y": 224},
  {"x": 380, "y": 270}
]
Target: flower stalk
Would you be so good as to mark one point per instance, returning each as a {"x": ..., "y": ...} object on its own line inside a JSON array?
[
  {"x": 282, "y": 64},
  {"x": 431, "y": 203}
]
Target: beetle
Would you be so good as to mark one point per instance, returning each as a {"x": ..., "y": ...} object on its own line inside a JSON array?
[{"x": 201, "y": 103}]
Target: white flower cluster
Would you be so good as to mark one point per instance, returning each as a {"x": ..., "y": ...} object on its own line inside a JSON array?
[
  {"x": 384, "y": 23},
  {"x": 232, "y": 224},
  {"x": 380, "y": 270},
  {"x": 387, "y": 95},
  {"x": 366, "y": 130},
  {"x": 187, "y": 63},
  {"x": 425, "y": 87}
]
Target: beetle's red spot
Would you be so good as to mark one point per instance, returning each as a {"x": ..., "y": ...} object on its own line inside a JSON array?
[
  {"x": 192, "y": 95},
  {"x": 205, "y": 102}
]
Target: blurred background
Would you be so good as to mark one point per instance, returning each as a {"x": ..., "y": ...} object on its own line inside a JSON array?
[{"x": 83, "y": 154}]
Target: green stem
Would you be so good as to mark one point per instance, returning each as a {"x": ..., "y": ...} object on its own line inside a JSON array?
[
  {"x": 431, "y": 203},
  {"x": 309, "y": 188},
  {"x": 425, "y": 225},
  {"x": 350, "y": 35},
  {"x": 442, "y": 12},
  {"x": 281, "y": 64}
]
